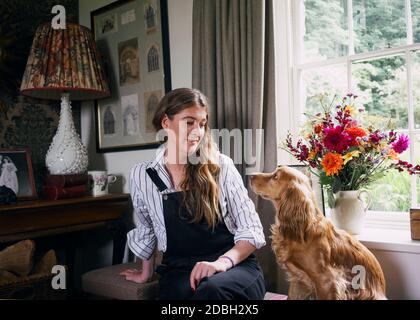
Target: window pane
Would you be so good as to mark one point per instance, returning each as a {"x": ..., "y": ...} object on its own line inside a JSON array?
[
  {"x": 416, "y": 85},
  {"x": 415, "y": 13},
  {"x": 382, "y": 86},
  {"x": 326, "y": 32},
  {"x": 417, "y": 161},
  {"x": 379, "y": 24},
  {"x": 323, "y": 82},
  {"x": 393, "y": 191}
]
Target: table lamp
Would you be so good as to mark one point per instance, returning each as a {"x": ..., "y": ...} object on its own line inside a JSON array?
[{"x": 65, "y": 64}]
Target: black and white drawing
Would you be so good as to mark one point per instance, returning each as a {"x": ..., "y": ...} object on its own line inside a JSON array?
[
  {"x": 109, "y": 121},
  {"x": 108, "y": 24},
  {"x": 151, "y": 101},
  {"x": 128, "y": 16},
  {"x": 153, "y": 58},
  {"x": 130, "y": 111},
  {"x": 150, "y": 17},
  {"x": 128, "y": 57}
]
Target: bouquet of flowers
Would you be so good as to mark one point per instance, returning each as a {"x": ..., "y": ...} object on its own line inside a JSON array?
[{"x": 346, "y": 154}]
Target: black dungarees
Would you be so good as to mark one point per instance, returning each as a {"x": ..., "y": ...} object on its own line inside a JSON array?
[{"x": 189, "y": 243}]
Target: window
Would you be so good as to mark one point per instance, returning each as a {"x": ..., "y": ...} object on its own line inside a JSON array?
[{"x": 370, "y": 48}]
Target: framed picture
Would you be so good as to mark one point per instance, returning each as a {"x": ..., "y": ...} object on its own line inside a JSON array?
[
  {"x": 316, "y": 186},
  {"x": 16, "y": 172},
  {"x": 133, "y": 39}
]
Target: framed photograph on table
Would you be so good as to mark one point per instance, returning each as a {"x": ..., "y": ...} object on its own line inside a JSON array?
[
  {"x": 316, "y": 186},
  {"x": 133, "y": 39},
  {"x": 16, "y": 172}
]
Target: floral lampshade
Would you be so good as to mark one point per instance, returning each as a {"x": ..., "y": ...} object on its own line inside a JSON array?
[
  {"x": 65, "y": 64},
  {"x": 64, "y": 60}
]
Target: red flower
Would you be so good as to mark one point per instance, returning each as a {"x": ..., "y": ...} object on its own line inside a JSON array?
[
  {"x": 354, "y": 133},
  {"x": 336, "y": 139}
]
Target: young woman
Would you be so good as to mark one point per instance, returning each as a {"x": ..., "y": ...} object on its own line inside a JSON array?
[{"x": 191, "y": 202}]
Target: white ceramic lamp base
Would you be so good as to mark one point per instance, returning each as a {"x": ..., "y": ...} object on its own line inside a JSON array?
[{"x": 67, "y": 154}]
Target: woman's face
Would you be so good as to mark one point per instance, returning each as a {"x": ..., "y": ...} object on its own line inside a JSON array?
[{"x": 186, "y": 128}]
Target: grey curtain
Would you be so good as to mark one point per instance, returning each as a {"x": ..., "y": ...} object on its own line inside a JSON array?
[{"x": 233, "y": 65}]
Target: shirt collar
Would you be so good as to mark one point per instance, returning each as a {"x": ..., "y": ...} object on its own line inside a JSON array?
[
  {"x": 159, "y": 159},
  {"x": 159, "y": 165}
]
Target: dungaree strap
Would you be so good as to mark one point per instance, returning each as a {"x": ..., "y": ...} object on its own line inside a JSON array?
[{"x": 156, "y": 179}]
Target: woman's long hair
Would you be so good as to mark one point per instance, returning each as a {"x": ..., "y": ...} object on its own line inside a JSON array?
[{"x": 202, "y": 198}]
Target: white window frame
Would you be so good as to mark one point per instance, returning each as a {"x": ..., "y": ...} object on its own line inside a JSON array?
[{"x": 288, "y": 86}]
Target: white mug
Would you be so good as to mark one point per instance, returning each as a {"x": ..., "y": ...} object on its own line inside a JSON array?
[{"x": 99, "y": 181}]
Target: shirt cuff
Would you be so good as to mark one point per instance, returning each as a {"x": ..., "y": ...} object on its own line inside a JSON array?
[{"x": 255, "y": 238}]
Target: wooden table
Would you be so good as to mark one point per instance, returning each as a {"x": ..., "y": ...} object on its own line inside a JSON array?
[{"x": 44, "y": 218}]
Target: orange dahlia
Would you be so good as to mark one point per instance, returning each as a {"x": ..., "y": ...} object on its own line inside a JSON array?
[
  {"x": 332, "y": 163},
  {"x": 392, "y": 154},
  {"x": 354, "y": 133},
  {"x": 318, "y": 128},
  {"x": 313, "y": 154}
]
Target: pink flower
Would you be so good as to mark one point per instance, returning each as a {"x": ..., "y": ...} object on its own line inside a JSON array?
[
  {"x": 336, "y": 139},
  {"x": 401, "y": 144}
]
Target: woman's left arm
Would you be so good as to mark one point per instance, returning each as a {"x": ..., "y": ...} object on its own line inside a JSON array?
[
  {"x": 248, "y": 235},
  {"x": 239, "y": 252}
]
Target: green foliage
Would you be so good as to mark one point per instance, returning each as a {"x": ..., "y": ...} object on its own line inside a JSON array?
[
  {"x": 383, "y": 82},
  {"x": 378, "y": 24},
  {"x": 391, "y": 193},
  {"x": 322, "y": 17},
  {"x": 415, "y": 12}
]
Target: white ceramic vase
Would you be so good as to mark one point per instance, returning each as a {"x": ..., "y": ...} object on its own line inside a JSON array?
[
  {"x": 349, "y": 210},
  {"x": 67, "y": 154}
]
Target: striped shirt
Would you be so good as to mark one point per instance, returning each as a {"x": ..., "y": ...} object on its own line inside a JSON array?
[{"x": 238, "y": 210}]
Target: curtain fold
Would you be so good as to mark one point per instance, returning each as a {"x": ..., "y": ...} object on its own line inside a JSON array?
[{"x": 233, "y": 65}]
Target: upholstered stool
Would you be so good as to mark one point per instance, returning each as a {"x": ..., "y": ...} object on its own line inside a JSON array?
[{"x": 108, "y": 283}]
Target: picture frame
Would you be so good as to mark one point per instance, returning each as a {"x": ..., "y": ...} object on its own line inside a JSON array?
[
  {"x": 133, "y": 40},
  {"x": 316, "y": 186},
  {"x": 16, "y": 172}
]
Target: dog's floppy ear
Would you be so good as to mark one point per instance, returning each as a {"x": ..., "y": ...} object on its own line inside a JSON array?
[{"x": 295, "y": 211}]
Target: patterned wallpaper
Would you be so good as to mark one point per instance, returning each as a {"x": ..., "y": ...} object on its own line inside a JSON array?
[{"x": 27, "y": 122}]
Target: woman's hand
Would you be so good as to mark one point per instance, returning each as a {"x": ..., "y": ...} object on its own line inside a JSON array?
[
  {"x": 137, "y": 275},
  {"x": 206, "y": 269}
]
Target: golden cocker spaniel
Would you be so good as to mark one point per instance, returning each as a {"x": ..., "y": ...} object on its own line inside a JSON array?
[{"x": 322, "y": 262}]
